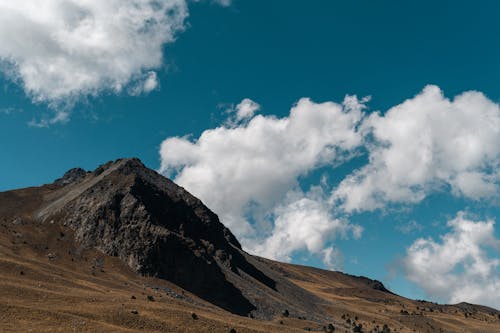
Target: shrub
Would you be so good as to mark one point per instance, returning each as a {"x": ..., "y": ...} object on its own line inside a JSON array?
[{"x": 358, "y": 328}]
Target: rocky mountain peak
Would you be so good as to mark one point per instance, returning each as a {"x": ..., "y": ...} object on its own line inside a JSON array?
[
  {"x": 71, "y": 176},
  {"x": 156, "y": 227}
]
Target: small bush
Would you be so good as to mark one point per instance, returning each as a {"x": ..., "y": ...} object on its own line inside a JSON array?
[
  {"x": 194, "y": 316},
  {"x": 358, "y": 328}
]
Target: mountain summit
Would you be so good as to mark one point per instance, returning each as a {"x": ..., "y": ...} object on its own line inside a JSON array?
[
  {"x": 156, "y": 227},
  {"x": 95, "y": 237}
]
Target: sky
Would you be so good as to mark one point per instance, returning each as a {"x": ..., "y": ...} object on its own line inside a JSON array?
[{"x": 361, "y": 136}]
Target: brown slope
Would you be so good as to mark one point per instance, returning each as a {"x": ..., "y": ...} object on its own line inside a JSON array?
[{"x": 80, "y": 242}]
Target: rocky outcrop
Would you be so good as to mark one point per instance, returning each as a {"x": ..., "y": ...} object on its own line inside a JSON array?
[
  {"x": 71, "y": 176},
  {"x": 129, "y": 211}
]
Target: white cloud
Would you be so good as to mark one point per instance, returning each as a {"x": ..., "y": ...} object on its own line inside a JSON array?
[
  {"x": 59, "y": 116},
  {"x": 304, "y": 222},
  {"x": 244, "y": 172},
  {"x": 63, "y": 49},
  {"x": 147, "y": 85},
  {"x": 426, "y": 144},
  {"x": 409, "y": 227},
  {"x": 458, "y": 268},
  {"x": 242, "y": 112},
  {"x": 248, "y": 169},
  {"x": 246, "y": 109}
]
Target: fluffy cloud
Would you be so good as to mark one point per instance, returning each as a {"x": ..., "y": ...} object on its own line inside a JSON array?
[
  {"x": 249, "y": 169},
  {"x": 242, "y": 112},
  {"x": 60, "y": 49},
  {"x": 246, "y": 172},
  {"x": 458, "y": 268},
  {"x": 245, "y": 109},
  {"x": 426, "y": 144},
  {"x": 304, "y": 222}
]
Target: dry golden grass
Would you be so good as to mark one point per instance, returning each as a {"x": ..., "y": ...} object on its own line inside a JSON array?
[
  {"x": 48, "y": 284},
  {"x": 69, "y": 293}
]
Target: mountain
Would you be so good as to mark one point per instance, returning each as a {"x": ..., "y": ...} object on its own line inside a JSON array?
[{"x": 123, "y": 248}]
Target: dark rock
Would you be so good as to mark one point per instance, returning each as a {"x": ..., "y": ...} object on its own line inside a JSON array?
[
  {"x": 71, "y": 176},
  {"x": 129, "y": 211}
]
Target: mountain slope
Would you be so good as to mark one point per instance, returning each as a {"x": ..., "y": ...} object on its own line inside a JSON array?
[{"x": 77, "y": 251}]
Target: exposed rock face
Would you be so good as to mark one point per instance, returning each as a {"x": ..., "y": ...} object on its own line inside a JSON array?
[
  {"x": 155, "y": 226},
  {"x": 71, "y": 176},
  {"x": 158, "y": 229}
]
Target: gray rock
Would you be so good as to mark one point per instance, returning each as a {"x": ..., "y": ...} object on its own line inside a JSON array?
[{"x": 156, "y": 227}]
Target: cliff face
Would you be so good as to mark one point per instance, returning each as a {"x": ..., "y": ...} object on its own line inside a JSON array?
[{"x": 156, "y": 227}]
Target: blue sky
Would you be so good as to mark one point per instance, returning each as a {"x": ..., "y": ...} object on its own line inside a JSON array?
[{"x": 219, "y": 58}]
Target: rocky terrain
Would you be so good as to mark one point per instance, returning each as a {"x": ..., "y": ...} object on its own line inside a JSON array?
[{"x": 123, "y": 249}]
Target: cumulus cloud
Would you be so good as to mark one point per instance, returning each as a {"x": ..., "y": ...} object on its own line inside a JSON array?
[
  {"x": 244, "y": 172},
  {"x": 62, "y": 49},
  {"x": 304, "y": 222},
  {"x": 249, "y": 169},
  {"x": 458, "y": 268},
  {"x": 428, "y": 143},
  {"x": 241, "y": 112},
  {"x": 245, "y": 109}
]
